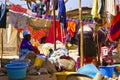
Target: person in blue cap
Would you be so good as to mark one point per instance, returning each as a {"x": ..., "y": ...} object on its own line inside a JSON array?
[{"x": 26, "y": 46}]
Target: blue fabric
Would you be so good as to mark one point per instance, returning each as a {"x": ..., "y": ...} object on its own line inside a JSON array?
[
  {"x": 25, "y": 48},
  {"x": 26, "y": 45},
  {"x": 62, "y": 13},
  {"x": 34, "y": 7}
]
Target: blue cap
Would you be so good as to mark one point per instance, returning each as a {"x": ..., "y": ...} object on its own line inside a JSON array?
[{"x": 26, "y": 32}]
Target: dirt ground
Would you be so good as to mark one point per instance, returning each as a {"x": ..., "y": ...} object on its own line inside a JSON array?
[
  {"x": 33, "y": 77},
  {"x": 73, "y": 53}
]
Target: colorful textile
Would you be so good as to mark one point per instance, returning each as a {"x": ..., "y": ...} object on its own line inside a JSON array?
[
  {"x": 25, "y": 47},
  {"x": 60, "y": 34},
  {"x": 38, "y": 34},
  {"x": 62, "y": 14},
  {"x": 115, "y": 28},
  {"x": 71, "y": 28},
  {"x": 18, "y": 8},
  {"x": 94, "y": 11}
]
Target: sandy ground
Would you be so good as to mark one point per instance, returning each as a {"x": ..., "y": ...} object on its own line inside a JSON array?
[
  {"x": 73, "y": 53},
  {"x": 32, "y": 77}
]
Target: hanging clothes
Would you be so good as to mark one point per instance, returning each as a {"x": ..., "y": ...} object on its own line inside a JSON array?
[
  {"x": 59, "y": 33},
  {"x": 47, "y": 3},
  {"x": 38, "y": 34},
  {"x": 71, "y": 27},
  {"x": 18, "y": 20},
  {"x": 111, "y": 7},
  {"x": 38, "y": 23},
  {"x": 101, "y": 8},
  {"x": 62, "y": 14},
  {"x": 115, "y": 28},
  {"x": 3, "y": 15},
  {"x": 94, "y": 10},
  {"x": 40, "y": 8},
  {"x": 18, "y": 8}
]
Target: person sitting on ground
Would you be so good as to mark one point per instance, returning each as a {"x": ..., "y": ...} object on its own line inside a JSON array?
[{"x": 26, "y": 46}]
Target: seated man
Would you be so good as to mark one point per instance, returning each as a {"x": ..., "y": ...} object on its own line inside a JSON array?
[{"x": 26, "y": 47}]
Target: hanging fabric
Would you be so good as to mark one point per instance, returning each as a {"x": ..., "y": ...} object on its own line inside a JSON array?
[
  {"x": 111, "y": 7},
  {"x": 115, "y": 28},
  {"x": 62, "y": 14},
  {"x": 38, "y": 23},
  {"x": 94, "y": 10},
  {"x": 3, "y": 14},
  {"x": 101, "y": 8}
]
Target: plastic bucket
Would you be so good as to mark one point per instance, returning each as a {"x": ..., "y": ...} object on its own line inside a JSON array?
[
  {"x": 39, "y": 61},
  {"x": 107, "y": 70},
  {"x": 16, "y": 71}
]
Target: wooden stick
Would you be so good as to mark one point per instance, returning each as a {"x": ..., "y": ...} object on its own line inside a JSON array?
[
  {"x": 81, "y": 35},
  {"x": 1, "y": 46}
]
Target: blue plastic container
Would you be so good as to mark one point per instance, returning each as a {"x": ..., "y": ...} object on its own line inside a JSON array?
[
  {"x": 16, "y": 71},
  {"x": 108, "y": 71}
]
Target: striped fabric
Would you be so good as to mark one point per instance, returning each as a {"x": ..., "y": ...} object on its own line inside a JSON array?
[{"x": 115, "y": 28}]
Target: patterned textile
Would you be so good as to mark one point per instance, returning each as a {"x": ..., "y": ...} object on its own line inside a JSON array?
[
  {"x": 115, "y": 28},
  {"x": 38, "y": 34}
]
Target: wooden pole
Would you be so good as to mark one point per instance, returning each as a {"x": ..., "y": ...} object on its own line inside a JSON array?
[
  {"x": 54, "y": 19},
  {"x": 1, "y": 46},
  {"x": 81, "y": 35}
]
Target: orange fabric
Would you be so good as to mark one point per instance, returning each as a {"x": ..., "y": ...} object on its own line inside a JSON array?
[
  {"x": 38, "y": 34},
  {"x": 71, "y": 27}
]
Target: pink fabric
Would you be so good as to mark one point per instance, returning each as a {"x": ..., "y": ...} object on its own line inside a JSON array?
[{"x": 59, "y": 34}]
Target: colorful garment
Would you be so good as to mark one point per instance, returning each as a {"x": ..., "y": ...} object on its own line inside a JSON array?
[
  {"x": 71, "y": 28},
  {"x": 62, "y": 14},
  {"x": 18, "y": 8},
  {"x": 115, "y": 28},
  {"x": 25, "y": 48},
  {"x": 18, "y": 20},
  {"x": 38, "y": 34}
]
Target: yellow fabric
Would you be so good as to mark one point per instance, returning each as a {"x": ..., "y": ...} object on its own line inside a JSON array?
[{"x": 94, "y": 11}]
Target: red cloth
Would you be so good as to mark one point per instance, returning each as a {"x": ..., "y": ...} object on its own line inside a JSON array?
[
  {"x": 115, "y": 28},
  {"x": 18, "y": 8},
  {"x": 60, "y": 34},
  {"x": 38, "y": 34}
]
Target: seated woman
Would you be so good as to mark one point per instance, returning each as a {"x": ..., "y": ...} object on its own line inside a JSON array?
[{"x": 26, "y": 47}]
